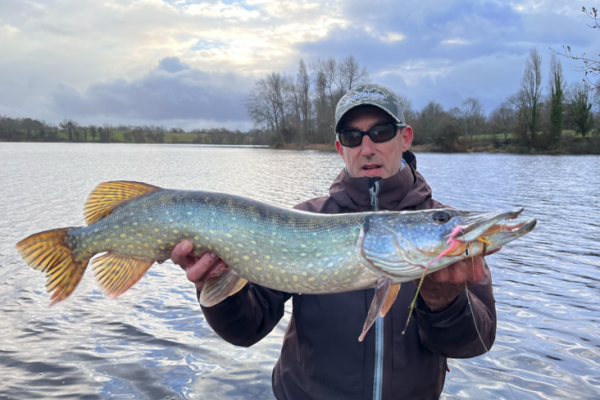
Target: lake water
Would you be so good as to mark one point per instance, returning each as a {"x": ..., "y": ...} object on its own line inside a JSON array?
[{"x": 153, "y": 342}]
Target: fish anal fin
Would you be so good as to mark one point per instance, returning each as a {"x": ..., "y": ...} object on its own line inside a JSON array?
[
  {"x": 48, "y": 252},
  {"x": 390, "y": 299},
  {"x": 383, "y": 287},
  {"x": 116, "y": 273},
  {"x": 108, "y": 195},
  {"x": 218, "y": 287}
]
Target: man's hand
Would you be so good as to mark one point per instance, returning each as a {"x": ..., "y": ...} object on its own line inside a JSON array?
[
  {"x": 441, "y": 288},
  {"x": 197, "y": 269}
]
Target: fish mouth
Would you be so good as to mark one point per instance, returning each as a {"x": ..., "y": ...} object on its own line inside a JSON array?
[{"x": 494, "y": 228}]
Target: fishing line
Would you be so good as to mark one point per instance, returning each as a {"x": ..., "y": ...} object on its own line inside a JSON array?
[
  {"x": 485, "y": 347},
  {"x": 479, "y": 334}
]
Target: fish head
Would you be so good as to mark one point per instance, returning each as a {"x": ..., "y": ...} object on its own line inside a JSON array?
[{"x": 403, "y": 244}]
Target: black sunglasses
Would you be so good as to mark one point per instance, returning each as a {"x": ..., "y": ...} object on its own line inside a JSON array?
[{"x": 377, "y": 134}]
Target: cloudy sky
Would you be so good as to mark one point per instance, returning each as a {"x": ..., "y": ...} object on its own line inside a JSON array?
[{"x": 190, "y": 63}]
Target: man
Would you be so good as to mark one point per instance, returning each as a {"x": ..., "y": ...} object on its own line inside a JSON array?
[{"x": 321, "y": 357}]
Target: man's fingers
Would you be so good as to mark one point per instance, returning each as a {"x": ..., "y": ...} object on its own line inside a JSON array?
[
  {"x": 469, "y": 270},
  {"x": 477, "y": 270},
  {"x": 181, "y": 254},
  {"x": 217, "y": 266},
  {"x": 199, "y": 269},
  {"x": 442, "y": 275}
]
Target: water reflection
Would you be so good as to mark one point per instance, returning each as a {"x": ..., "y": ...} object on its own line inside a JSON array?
[{"x": 154, "y": 343}]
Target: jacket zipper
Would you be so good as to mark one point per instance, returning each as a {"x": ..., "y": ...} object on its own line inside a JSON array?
[{"x": 378, "y": 372}]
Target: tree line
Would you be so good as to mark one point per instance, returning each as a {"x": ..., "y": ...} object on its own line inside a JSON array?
[
  {"x": 542, "y": 115},
  {"x": 27, "y": 129}
]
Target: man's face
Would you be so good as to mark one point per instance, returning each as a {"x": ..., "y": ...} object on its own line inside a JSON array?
[{"x": 372, "y": 159}]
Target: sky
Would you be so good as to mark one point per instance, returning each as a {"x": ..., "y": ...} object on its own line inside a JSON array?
[{"x": 189, "y": 64}]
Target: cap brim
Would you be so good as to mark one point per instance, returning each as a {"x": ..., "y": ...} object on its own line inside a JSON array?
[{"x": 337, "y": 125}]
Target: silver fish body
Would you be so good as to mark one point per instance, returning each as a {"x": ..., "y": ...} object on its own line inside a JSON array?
[{"x": 276, "y": 247}]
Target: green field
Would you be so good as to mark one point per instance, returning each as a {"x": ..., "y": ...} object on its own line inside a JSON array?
[
  {"x": 500, "y": 136},
  {"x": 170, "y": 137}
]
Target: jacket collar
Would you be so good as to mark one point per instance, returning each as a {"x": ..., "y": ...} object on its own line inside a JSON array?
[{"x": 405, "y": 189}]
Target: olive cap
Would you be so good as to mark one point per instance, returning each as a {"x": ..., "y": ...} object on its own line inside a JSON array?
[{"x": 370, "y": 94}]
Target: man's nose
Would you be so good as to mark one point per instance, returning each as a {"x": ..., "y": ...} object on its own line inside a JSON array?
[{"x": 366, "y": 148}]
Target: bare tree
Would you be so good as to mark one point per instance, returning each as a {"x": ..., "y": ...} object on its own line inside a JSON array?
[
  {"x": 288, "y": 108},
  {"x": 332, "y": 80},
  {"x": 324, "y": 118},
  {"x": 69, "y": 126},
  {"x": 531, "y": 93},
  {"x": 303, "y": 95},
  {"x": 351, "y": 73},
  {"x": 579, "y": 108},
  {"x": 327, "y": 74},
  {"x": 428, "y": 122},
  {"x": 590, "y": 66},
  {"x": 93, "y": 132},
  {"x": 268, "y": 101},
  {"x": 557, "y": 85},
  {"x": 472, "y": 117},
  {"x": 405, "y": 104},
  {"x": 503, "y": 118}
]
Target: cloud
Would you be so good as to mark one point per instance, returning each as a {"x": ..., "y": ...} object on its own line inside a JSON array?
[
  {"x": 173, "y": 90},
  {"x": 221, "y": 10},
  {"x": 455, "y": 49},
  {"x": 192, "y": 60}
]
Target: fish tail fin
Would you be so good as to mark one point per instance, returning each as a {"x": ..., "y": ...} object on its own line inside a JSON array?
[
  {"x": 49, "y": 252},
  {"x": 117, "y": 273}
]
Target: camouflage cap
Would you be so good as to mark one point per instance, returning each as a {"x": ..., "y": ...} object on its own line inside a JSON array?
[{"x": 370, "y": 94}]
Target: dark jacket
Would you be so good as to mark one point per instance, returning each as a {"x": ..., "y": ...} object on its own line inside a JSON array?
[{"x": 321, "y": 357}]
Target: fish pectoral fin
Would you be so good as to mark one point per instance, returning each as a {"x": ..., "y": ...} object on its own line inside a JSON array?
[
  {"x": 239, "y": 286},
  {"x": 220, "y": 286},
  {"x": 383, "y": 288},
  {"x": 108, "y": 195},
  {"x": 116, "y": 273},
  {"x": 390, "y": 299}
]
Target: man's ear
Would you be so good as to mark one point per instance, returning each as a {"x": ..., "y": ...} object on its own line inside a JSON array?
[
  {"x": 407, "y": 133},
  {"x": 340, "y": 148}
]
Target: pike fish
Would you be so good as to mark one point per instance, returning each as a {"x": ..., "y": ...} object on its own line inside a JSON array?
[{"x": 135, "y": 224}]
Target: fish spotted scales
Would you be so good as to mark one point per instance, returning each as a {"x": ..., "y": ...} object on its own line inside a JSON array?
[{"x": 135, "y": 224}]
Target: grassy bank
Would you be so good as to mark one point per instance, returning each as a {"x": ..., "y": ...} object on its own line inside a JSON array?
[{"x": 569, "y": 143}]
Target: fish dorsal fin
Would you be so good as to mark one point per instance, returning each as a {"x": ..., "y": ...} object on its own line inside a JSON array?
[
  {"x": 390, "y": 298},
  {"x": 220, "y": 286},
  {"x": 108, "y": 195},
  {"x": 116, "y": 273}
]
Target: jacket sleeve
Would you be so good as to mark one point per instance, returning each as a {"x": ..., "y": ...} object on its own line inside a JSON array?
[
  {"x": 452, "y": 332},
  {"x": 246, "y": 317}
]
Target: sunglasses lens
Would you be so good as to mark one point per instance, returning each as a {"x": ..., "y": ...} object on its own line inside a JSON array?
[
  {"x": 378, "y": 134},
  {"x": 350, "y": 138},
  {"x": 382, "y": 133}
]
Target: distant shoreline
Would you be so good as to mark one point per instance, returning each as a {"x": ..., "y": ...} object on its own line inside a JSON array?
[
  {"x": 426, "y": 148},
  {"x": 429, "y": 148}
]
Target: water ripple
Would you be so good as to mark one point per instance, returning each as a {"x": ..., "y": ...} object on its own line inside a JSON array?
[{"x": 153, "y": 342}]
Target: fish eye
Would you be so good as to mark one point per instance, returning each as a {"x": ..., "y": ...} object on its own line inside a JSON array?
[{"x": 442, "y": 217}]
